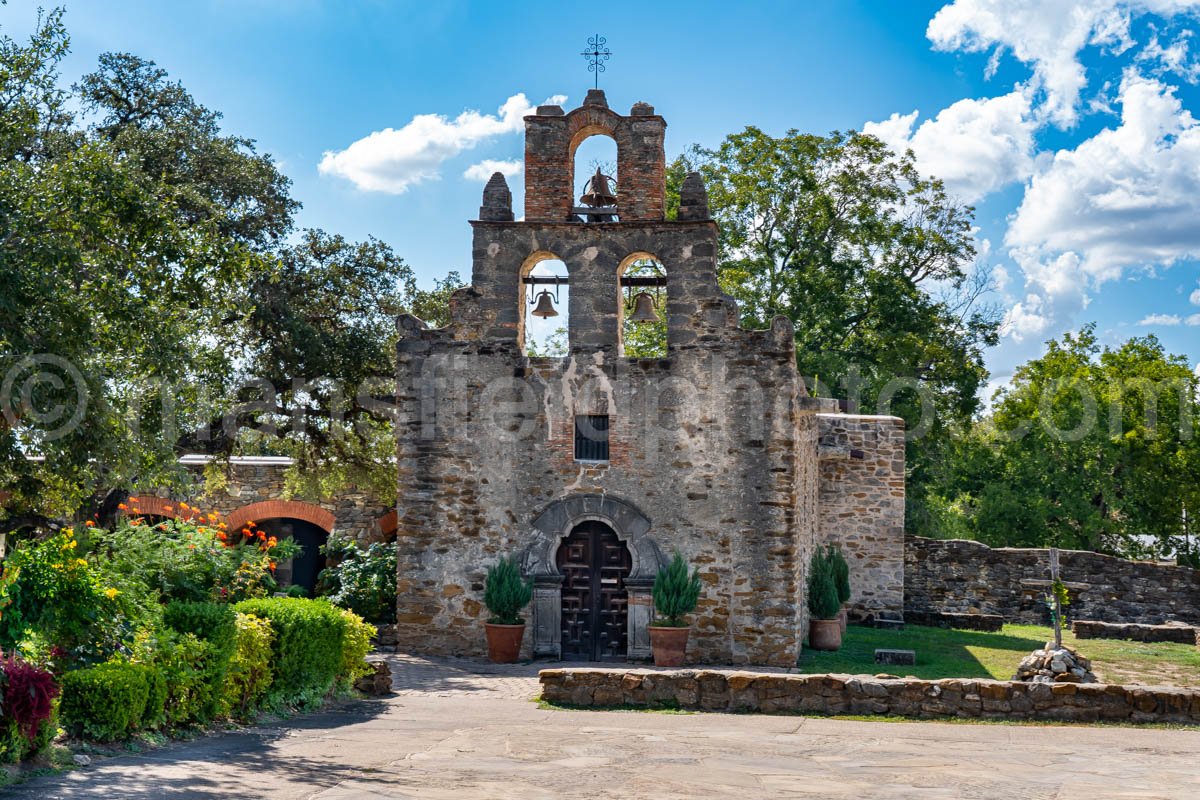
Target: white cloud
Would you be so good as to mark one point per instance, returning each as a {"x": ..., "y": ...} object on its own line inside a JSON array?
[
  {"x": 1048, "y": 35},
  {"x": 1192, "y": 321},
  {"x": 484, "y": 169},
  {"x": 975, "y": 146},
  {"x": 392, "y": 160},
  {"x": 1194, "y": 297},
  {"x": 1127, "y": 197},
  {"x": 1056, "y": 290},
  {"x": 1172, "y": 59},
  {"x": 1167, "y": 320}
]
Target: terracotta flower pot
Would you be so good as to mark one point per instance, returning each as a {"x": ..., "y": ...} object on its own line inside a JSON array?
[
  {"x": 825, "y": 634},
  {"x": 843, "y": 618},
  {"x": 668, "y": 645},
  {"x": 504, "y": 642}
]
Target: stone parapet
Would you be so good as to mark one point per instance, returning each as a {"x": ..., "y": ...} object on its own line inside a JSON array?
[
  {"x": 1091, "y": 629},
  {"x": 776, "y": 693}
]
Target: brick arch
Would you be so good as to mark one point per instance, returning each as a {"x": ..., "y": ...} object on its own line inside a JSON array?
[
  {"x": 388, "y": 524},
  {"x": 153, "y": 505},
  {"x": 276, "y": 509},
  {"x": 531, "y": 261}
]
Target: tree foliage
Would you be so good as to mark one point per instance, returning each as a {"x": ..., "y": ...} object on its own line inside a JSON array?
[
  {"x": 155, "y": 298},
  {"x": 1089, "y": 448},
  {"x": 872, "y": 262}
]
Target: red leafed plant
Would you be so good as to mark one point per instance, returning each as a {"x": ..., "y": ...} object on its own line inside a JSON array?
[{"x": 28, "y": 694}]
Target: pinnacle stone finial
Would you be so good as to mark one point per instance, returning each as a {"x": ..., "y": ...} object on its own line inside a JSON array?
[
  {"x": 693, "y": 199},
  {"x": 497, "y": 200}
]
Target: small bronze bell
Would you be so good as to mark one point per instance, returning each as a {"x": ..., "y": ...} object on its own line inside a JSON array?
[
  {"x": 643, "y": 308},
  {"x": 597, "y": 193},
  {"x": 545, "y": 306}
]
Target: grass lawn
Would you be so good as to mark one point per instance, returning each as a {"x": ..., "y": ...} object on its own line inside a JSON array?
[{"x": 943, "y": 653}]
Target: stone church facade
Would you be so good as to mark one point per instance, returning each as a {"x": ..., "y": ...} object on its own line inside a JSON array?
[{"x": 593, "y": 468}]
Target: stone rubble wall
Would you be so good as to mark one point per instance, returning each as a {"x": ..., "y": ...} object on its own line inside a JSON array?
[
  {"x": 712, "y": 690},
  {"x": 861, "y": 502},
  {"x": 966, "y": 577}
]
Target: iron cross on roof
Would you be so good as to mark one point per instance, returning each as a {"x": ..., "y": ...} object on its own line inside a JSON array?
[{"x": 597, "y": 55}]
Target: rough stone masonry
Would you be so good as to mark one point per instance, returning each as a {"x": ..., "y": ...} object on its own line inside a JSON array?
[{"x": 716, "y": 451}]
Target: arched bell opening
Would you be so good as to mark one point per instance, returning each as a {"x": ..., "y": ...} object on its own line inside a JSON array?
[
  {"x": 642, "y": 307},
  {"x": 545, "y": 306},
  {"x": 595, "y": 195}
]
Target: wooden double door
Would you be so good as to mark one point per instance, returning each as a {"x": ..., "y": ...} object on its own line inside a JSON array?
[{"x": 594, "y": 564}]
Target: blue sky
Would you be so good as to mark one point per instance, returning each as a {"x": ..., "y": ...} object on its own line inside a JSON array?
[{"x": 1069, "y": 125}]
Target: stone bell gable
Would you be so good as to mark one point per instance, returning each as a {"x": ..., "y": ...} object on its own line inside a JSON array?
[{"x": 711, "y": 451}]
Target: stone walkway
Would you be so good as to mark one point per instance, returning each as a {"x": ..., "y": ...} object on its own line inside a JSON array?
[{"x": 461, "y": 729}]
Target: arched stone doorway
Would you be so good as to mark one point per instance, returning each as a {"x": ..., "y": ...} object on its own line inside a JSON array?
[
  {"x": 594, "y": 564},
  {"x": 552, "y": 526}
]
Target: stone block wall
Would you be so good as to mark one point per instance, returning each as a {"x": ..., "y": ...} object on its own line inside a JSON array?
[
  {"x": 713, "y": 446},
  {"x": 861, "y": 501},
  {"x": 712, "y": 690},
  {"x": 968, "y": 577}
]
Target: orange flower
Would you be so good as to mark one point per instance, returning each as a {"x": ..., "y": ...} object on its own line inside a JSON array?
[
  {"x": 272, "y": 542},
  {"x": 168, "y": 508},
  {"x": 271, "y": 564},
  {"x": 122, "y": 506},
  {"x": 246, "y": 532},
  {"x": 90, "y": 524}
]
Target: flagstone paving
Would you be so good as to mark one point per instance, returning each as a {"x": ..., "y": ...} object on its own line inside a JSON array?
[{"x": 461, "y": 729}]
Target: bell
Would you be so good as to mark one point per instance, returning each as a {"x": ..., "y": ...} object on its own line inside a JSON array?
[
  {"x": 643, "y": 308},
  {"x": 545, "y": 306},
  {"x": 597, "y": 192}
]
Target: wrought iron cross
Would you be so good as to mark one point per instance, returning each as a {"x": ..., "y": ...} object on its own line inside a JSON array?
[{"x": 597, "y": 55}]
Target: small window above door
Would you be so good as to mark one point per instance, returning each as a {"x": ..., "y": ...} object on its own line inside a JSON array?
[{"x": 591, "y": 437}]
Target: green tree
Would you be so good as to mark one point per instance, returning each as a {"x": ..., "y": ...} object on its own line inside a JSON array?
[
  {"x": 872, "y": 262},
  {"x": 1090, "y": 448},
  {"x": 154, "y": 301}
]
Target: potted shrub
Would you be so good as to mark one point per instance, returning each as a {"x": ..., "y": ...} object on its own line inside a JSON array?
[
  {"x": 675, "y": 594},
  {"x": 824, "y": 630},
  {"x": 841, "y": 579},
  {"x": 505, "y": 594}
]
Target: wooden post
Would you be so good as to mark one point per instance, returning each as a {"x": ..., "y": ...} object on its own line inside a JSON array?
[{"x": 1056, "y": 608}]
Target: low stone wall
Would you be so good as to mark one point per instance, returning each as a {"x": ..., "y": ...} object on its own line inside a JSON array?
[
  {"x": 779, "y": 693},
  {"x": 944, "y": 619},
  {"x": 1091, "y": 629},
  {"x": 960, "y": 576}
]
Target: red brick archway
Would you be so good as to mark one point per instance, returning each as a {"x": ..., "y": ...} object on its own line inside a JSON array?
[
  {"x": 387, "y": 525},
  {"x": 153, "y": 506},
  {"x": 276, "y": 509}
]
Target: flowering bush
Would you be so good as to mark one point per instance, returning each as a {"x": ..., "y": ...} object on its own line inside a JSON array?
[
  {"x": 363, "y": 579},
  {"x": 56, "y": 605},
  {"x": 194, "y": 557}
]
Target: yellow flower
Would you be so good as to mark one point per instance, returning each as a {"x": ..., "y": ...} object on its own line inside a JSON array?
[
  {"x": 110, "y": 592},
  {"x": 57, "y": 565},
  {"x": 69, "y": 544},
  {"x": 81, "y": 562}
]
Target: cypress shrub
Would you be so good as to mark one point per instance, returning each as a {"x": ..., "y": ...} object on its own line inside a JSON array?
[
  {"x": 841, "y": 572},
  {"x": 505, "y": 594},
  {"x": 675, "y": 594},
  {"x": 823, "y": 600}
]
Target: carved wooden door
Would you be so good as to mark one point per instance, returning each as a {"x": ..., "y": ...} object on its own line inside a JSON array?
[{"x": 595, "y": 606}]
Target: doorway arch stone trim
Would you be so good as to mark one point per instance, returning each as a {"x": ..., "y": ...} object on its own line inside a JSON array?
[{"x": 539, "y": 562}]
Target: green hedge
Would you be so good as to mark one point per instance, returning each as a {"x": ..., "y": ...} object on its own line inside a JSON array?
[
  {"x": 311, "y": 638},
  {"x": 108, "y": 701},
  {"x": 249, "y": 676},
  {"x": 197, "y": 670}
]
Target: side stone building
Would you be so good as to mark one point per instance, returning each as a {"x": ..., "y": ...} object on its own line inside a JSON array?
[{"x": 593, "y": 468}]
